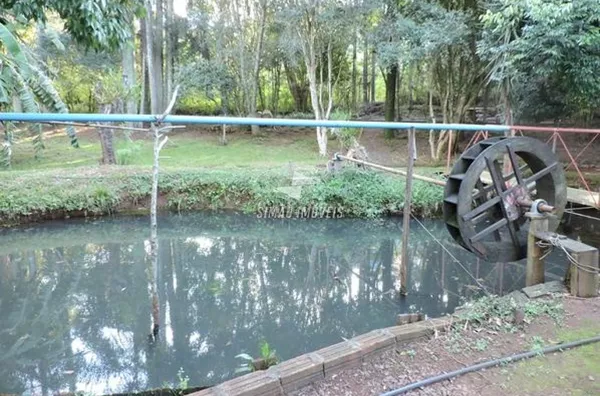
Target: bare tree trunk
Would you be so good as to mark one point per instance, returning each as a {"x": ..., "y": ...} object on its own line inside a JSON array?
[
  {"x": 354, "y": 45},
  {"x": 390, "y": 97},
  {"x": 432, "y": 147},
  {"x": 153, "y": 80},
  {"x": 373, "y": 74},
  {"x": 298, "y": 87},
  {"x": 365, "y": 71},
  {"x": 129, "y": 80},
  {"x": 256, "y": 68},
  {"x": 107, "y": 139},
  {"x": 276, "y": 88},
  {"x": 169, "y": 49},
  {"x": 157, "y": 56}
]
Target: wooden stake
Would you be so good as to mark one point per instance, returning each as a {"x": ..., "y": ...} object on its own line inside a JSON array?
[
  {"x": 534, "y": 271},
  {"x": 407, "y": 209}
]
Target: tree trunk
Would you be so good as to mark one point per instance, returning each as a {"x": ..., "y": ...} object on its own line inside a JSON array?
[
  {"x": 256, "y": 66},
  {"x": 157, "y": 57},
  {"x": 365, "y": 71},
  {"x": 432, "y": 147},
  {"x": 169, "y": 50},
  {"x": 129, "y": 79},
  {"x": 411, "y": 87},
  {"x": 153, "y": 80},
  {"x": 353, "y": 97},
  {"x": 314, "y": 99},
  {"x": 276, "y": 88},
  {"x": 107, "y": 139},
  {"x": 390, "y": 97},
  {"x": 298, "y": 87},
  {"x": 373, "y": 75}
]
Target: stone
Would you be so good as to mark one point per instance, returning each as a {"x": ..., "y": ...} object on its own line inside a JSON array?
[{"x": 544, "y": 289}]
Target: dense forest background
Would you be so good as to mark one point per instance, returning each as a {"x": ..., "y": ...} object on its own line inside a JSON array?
[{"x": 501, "y": 61}]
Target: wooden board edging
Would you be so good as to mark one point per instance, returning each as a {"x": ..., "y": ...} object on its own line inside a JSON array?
[{"x": 306, "y": 369}]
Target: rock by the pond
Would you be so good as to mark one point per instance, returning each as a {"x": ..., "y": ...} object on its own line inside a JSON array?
[{"x": 544, "y": 289}]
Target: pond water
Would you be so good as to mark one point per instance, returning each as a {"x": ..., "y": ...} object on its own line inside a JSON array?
[{"x": 76, "y": 304}]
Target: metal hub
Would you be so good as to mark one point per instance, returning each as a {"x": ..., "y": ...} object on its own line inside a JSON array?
[{"x": 490, "y": 188}]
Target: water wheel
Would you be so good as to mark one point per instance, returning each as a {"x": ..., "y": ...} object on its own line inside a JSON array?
[{"x": 491, "y": 187}]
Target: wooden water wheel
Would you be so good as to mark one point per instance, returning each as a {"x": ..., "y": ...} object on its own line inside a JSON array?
[{"x": 491, "y": 187}]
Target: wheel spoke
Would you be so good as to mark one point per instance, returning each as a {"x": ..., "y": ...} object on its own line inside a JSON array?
[
  {"x": 482, "y": 208},
  {"x": 482, "y": 192},
  {"x": 488, "y": 230},
  {"x": 499, "y": 185},
  {"x": 538, "y": 175},
  {"x": 515, "y": 164}
]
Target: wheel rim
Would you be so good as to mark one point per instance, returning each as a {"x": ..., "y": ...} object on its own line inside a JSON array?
[{"x": 484, "y": 188}]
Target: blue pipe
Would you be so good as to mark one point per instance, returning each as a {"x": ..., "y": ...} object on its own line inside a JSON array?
[
  {"x": 488, "y": 364},
  {"x": 65, "y": 117}
]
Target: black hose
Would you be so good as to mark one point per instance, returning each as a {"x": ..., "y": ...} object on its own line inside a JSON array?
[{"x": 489, "y": 363}]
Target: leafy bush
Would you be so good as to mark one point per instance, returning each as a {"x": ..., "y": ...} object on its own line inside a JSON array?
[
  {"x": 358, "y": 193},
  {"x": 128, "y": 154},
  {"x": 346, "y": 136}
]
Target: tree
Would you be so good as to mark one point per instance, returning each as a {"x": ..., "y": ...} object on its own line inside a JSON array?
[
  {"x": 543, "y": 56},
  {"x": 314, "y": 28},
  {"x": 24, "y": 84},
  {"x": 428, "y": 34}
]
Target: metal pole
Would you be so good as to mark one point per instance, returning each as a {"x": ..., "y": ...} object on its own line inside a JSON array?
[
  {"x": 407, "y": 210},
  {"x": 392, "y": 170}
]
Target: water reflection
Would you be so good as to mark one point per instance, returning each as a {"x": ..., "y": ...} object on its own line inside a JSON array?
[{"x": 76, "y": 310}]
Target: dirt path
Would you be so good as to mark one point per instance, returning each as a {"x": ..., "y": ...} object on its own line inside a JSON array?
[{"x": 575, "y": 372}]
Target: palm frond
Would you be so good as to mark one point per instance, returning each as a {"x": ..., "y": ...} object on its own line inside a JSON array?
[
  {"x": 13, "y": 49},
  {"x": 48, "y": 95}
]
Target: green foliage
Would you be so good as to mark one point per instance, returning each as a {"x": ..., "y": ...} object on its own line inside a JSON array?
[
  {"x": 498, "y": 312},
  {"x": 346, "y": 136},
  {"x": 546, "y": 53},
  {"x": 129, "y": 153},
  {"x": 22, "y": 77},
  {"x": 357, "y": 193},
  {"x": 268, "y": 358},
  {"x": 98, "y": 25},
  {"x": 537, "y": 344}
]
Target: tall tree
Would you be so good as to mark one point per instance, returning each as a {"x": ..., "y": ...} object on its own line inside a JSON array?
[
  {"x": 318, "y": 27},
  {"x": 542, "y": 56}
]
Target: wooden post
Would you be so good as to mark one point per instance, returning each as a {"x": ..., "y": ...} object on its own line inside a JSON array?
[
  {"x": 584, "y": 278},
  {"x": 449, "y": 157},
  {"x": 535, "y": 264},
  {"x": 407, "y": 209}
]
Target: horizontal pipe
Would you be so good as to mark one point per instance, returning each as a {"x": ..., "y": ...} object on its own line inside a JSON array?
[
  {"x": 552, "y": 129},
  {"x": 179, "y": 119},
  {"x": 490, "y": 363},
  {"x": 392, "y": 170}
]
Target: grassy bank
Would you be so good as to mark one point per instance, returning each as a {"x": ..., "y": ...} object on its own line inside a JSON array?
[{"x": 31, "y": 196}]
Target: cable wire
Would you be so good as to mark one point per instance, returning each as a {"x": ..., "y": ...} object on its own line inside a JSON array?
[{"x": 452, "y": 256}]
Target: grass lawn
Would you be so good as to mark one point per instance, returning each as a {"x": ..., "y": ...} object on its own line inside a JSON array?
[
  {"x": 574, "y": 372},
  {"x": 184, "y": 150}
]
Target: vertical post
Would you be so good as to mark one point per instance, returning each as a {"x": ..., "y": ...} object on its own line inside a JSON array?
[
  {"x": 554, "y": 141},
  {"x": 407, "y": 209},
  {"x": 584, "y": 277},
  {"x": 535, "y": 264},
  {"x": 449, "y": 151}
]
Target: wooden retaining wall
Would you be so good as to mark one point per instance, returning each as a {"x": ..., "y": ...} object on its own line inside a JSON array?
[{"x": 303, "y": 370}]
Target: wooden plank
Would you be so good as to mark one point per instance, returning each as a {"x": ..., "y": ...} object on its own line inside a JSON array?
[{"x": 583, "y": 197}]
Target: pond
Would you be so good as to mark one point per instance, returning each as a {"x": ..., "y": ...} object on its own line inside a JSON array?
[{"x": 76, "y": 304}]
